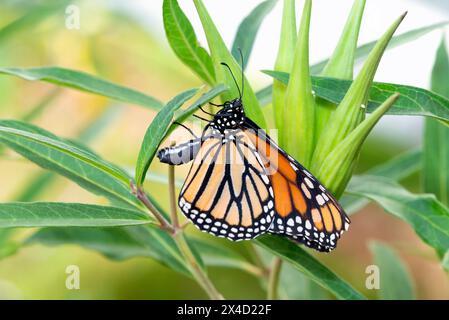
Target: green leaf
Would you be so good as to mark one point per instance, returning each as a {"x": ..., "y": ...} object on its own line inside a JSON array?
[
  {"x": 157, "y": 131},
  {"x": 182, "y": 115},
  {"x": 215, "y": 255},
  {"x": 45, "y": 214},
  {"x": 220, "y": 53},
  {"x": 296, "y": 286},
  {"x": 423, "y": 212},
  {"x": 67, "y": 159},
  {"x": 38, "y": 108},
  {"x": 31, "y": 19},
  {"x": 183, "y": 40},
  {"x": 37, "y": 184},
  {"x": 445, "y": 261},
  {"x": 413, "y": 101},
  {"x": 436, "y": 135},
  {"x": 396, "y": 169},
  {"x": 162, "y": 125},
  {"x": 140, "y": 241},
  {"x": 351, "y": 111},
  {"x": 395, "y": 280},
  {"x": 299, "y": 109},
  {"x": 84, "y": 82},
  {"x": 406, "y": 37},
  {"x": 309, "y": 266},
  {"x": 341, "y": 63},
  {"x": 117, "y": 243},
  {"x": 284, "y": 62},
  {"x": 264, "y": 95},
  {"x": 336, "y": 169},
  {"x": 41, "y": 106},
  {"x": 400, "y": 167},
  {"x": 247, "y": 30}
]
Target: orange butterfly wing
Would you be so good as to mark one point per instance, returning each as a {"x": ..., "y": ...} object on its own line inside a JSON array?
[
  {"x": 304, "y": 210},
  {"x": 227, "y": 192}
]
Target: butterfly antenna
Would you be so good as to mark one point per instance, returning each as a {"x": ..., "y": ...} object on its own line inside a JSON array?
[
  {"x": 188, "y": 129},
  {"x": 211, "y": 114},
  {"x": 198, "y": 117},
  {"x": 216, "y": 105},
  {"x": 243, "y": 74},
  {"x": 235, "y": 81}
]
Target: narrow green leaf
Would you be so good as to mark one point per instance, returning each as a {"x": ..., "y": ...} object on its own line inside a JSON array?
[
  {"x": 406, "y": 37},
  {"x": 413, "y": 101},
  {"x": 284, "y": 62},
  {"x": 396, "y": 169},
  {"x": 30, "y": 20},
  {"x": 351, "y": 110},
  {"x": 436, "y": 135},
  {"x": 117, "y": 243},
  {"x": 38, "y": 108},
  {"x": 309, "y": 266},
  {"x": 445, "y": 261},
  {"x": 219, "y": 54},
  {"x": 63, "y": 157},
  {"x": 400, "y": 167},
  {"x": 336, "y": 169},
  {"x": 156, "y": 132},
  {"x": 84, "y": 82},
  {"x": 341, "y": 63},
  {"x": 264, "y": 95},
  {"x": 296, "y": 286},
  {"x": 215, "y": 255},
  {"x": 39, "y": 183},
  {"x": 46, "y": 214},
  {"x": 162, "y": 125},
  {"x": 299, "y": 109},
  {"x": 425, "y": 214},
  {"x": 247, "y": 30},
  {"x": 139, "y": 241},
  {"x": 183, "y": 40},
  {"x": 182, "y": 115},
  {"x": 395, "y": 280},
  {"x": 100, "y": 124},
  {"x": 41, "y": 106}
]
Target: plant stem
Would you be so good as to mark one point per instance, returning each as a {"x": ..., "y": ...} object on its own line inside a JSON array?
[
  {"x": 172, "y": 194},
  {"x": 141, "y": 195},
  {"x": 273, "y": 280},
  {"x": 164, "y": 224},
  {"x": 257, "y": 259},
  {"x": 196, "y": 270}
]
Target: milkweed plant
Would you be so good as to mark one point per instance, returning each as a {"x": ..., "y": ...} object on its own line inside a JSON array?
[{"x": 322, "y": 113}]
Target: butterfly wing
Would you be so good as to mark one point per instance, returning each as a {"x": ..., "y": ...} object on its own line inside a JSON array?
[
  {"x": 304, "y": 210},
  {"x": 227, "y": 192}
]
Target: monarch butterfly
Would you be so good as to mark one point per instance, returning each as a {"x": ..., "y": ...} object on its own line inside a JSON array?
[{"x": 242, "y": 185}]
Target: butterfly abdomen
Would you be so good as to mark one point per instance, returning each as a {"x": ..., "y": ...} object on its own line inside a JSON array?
[{"x": 180, "y": 154}]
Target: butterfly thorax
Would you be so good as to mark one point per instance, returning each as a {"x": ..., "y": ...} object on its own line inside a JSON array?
[{"x": 231, "y": 116}]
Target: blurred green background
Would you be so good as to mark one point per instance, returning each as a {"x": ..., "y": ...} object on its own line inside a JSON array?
[{"x": 115, "y": 45}]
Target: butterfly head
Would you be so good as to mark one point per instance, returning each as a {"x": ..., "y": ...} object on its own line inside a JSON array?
[{"x": 231, "y": 116}]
